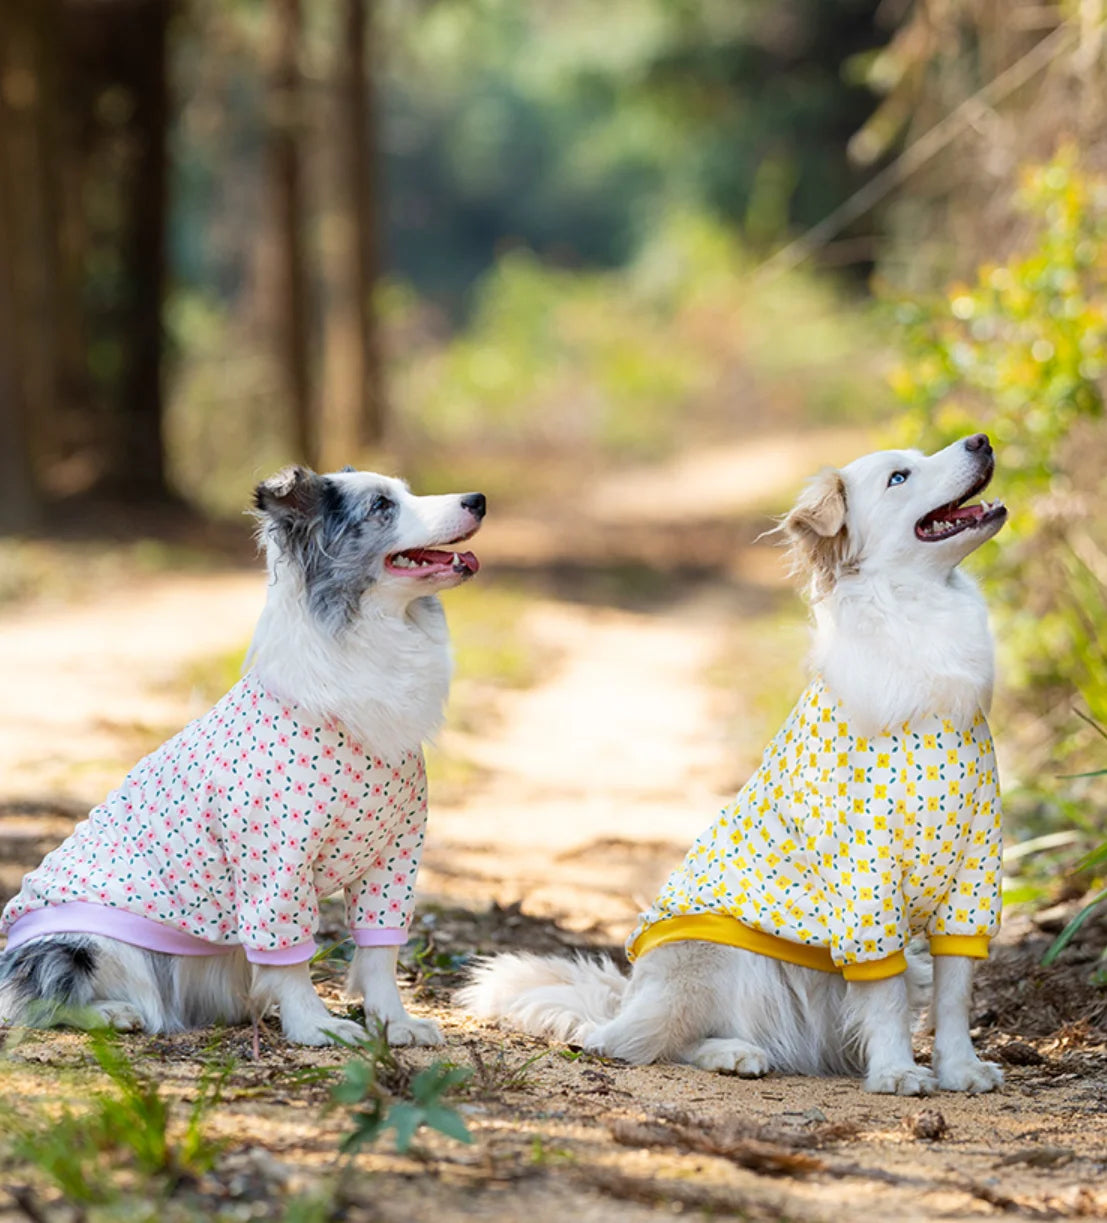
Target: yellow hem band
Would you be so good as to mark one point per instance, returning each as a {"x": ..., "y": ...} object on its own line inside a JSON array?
[
  {"x": 729, "y": 931},
  {"x": 975, "y": 946}
]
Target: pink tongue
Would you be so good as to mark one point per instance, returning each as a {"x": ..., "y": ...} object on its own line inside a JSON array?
[{"x": 445, "y": 559}]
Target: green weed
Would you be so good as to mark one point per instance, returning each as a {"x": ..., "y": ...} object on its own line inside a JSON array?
[
  {"x": 124, "y": 1141},
  {"x": 381, "y": 1094}
]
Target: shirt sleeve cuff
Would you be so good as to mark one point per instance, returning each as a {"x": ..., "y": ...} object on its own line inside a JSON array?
[
  {"x": 296, "y": 954},
  {"x": 975, "y": 946},
  {"x": 379, "y": 937},
  {"x": 876, "y": 970}
]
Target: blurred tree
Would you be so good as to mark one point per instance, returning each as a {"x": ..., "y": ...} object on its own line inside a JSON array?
[
  {"x": 287, "y": 124},
  {"x": 353, "y": 412},
  {"x": 28, "y": 253}
]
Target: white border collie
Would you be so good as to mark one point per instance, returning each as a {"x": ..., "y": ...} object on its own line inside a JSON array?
[
  {"x": 901, "y": 638},
  {"x": 190, "y": 896}
]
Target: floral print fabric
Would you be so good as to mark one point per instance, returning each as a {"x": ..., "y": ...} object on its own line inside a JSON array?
[
  {"x": 850, "y": 844},
  {"x": 233, "y": 830}
]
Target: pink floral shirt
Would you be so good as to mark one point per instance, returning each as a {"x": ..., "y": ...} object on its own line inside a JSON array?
[{"x": 231, "y": 832}]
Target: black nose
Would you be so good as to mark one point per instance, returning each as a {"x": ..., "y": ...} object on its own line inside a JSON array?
[
  {"x": 474, "y": 503},
  {"x": 978, "y": 441}
]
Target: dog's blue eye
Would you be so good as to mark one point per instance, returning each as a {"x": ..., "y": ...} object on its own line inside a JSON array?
[
  {"x": 380, "y": 502},
  {"x": 898, "y": 477}
]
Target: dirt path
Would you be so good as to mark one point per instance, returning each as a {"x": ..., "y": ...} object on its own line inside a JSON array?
[{"x": 591, "y": 785}]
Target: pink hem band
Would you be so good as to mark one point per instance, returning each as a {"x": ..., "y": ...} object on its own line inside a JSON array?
[
  {"x": 379, "y": 938},
  {"x": 83, "y": 917}
]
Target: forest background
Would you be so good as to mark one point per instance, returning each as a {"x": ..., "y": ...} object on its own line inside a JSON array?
[{"x": 634, "y": 268}]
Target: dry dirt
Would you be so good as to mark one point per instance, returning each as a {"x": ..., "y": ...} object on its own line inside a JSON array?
[{"x": 592, "y": 784}]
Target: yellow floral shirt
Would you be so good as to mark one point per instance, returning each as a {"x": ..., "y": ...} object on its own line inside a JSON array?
[{"x": 841, "y": 848}]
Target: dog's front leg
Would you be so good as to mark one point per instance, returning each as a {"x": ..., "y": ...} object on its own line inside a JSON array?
[
  {"x": 881, "y": 1020},
  {"x": 304, "y": 1018},
  {"x": 955, "y": 1060},
  {"x": 373, "y": 977}
]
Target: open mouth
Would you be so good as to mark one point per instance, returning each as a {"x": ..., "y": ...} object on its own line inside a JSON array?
[
  {"x": 434, "y": 561},
  {"x": 955, "y": 516}
]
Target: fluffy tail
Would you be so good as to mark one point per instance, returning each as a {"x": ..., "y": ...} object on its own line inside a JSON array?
[
  {"x": 564, "y": 999},
  {"x": 40, "y": 978}
]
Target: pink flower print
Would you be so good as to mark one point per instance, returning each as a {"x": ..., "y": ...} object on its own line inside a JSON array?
[
  {"x": 207, "y": 876},
  {"x": 296, "y": 815},
  {"x": 328, "y": 752},
  {"x": 374, "y": 889},
  {"x": 284, "y": 941},
  {"x": 255, "y": 854},
  {"x": 377, "y": 790},
  {"x": 303, "y": 760},
  {"x": 405, "y": 854},
  {"x": 150, "y": 907},
  {"x": 356, "y": 748},
  {"x": 346, "y": 797},
  {"x": 130, "y": 889},
  {"x": 379, "y": 862},
  {"x": 395, "y": 774},
  {"x": 255, "y": 827},
  {"x": 285, "y": 894},
  {"x": 257, "y": 802},
  {"x": 280, "y": 768},
  {"x": 401, "y": 879},
  {"x": 378, "y": 763},
  {"x": 253, "y": 879},
  {"x": 358, "y": 776},
  {"x": 224, "y": 926},
  {"x": 298, "y": 787},
  {"x": 393, "y": 906},
  {"x": 306, "y": 732},
  {"x": 320, "y": 807}
]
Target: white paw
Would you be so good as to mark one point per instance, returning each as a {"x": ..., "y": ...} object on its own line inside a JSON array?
[
  {"x": 909, "y": 1080},
  {"x": 731, "y": 1057},
  {"x": 971, "y": 1075},
  {"x": 119, "y": 1015},
  {"x": 412, "y": 1031},
  {"x": 323, "y": 1031}
]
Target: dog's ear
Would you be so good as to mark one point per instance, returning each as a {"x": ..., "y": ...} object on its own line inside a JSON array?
[
  {"x": 293, "y": 492},
  {"x": 818, "y": 537}
]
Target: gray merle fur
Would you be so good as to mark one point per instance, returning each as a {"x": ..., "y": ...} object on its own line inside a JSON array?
[{"x": 336, "y": 540}]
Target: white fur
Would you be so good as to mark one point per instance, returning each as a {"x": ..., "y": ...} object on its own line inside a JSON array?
[{"x": 898, "y": 633}]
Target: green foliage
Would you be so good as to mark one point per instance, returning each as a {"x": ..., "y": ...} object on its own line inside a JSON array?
[
  {"x": 382, "y": 1095},
  {"x": 1022, "y": 352},
  {"x": 124, "y": 1142},
  {"x": 571, "y": 128},
  {"x": 684, "y": 344}
]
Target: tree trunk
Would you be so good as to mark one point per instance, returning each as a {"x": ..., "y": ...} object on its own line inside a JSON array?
[
  {"x": 359, "y": 87},
  {"x": 292, "y": 328},
  {"x": 138, "y": 460},
  {"x": 355, "y": 409},
  {"x": 28, "y": 254}
]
